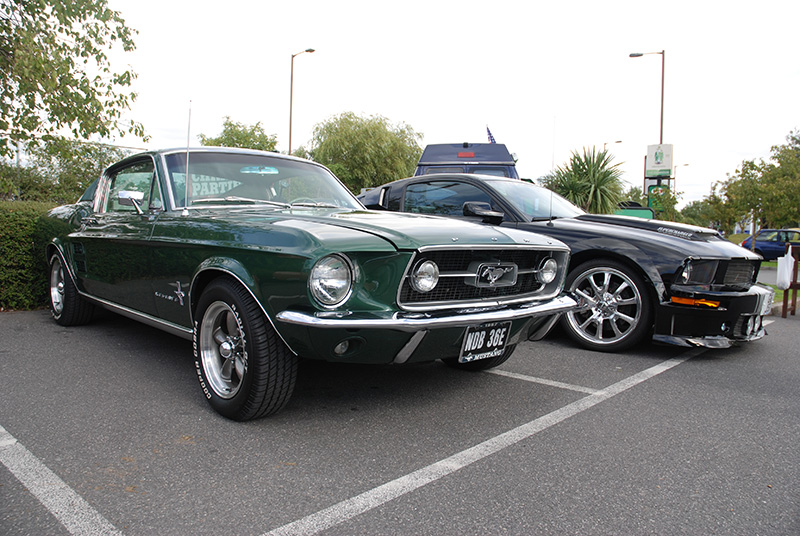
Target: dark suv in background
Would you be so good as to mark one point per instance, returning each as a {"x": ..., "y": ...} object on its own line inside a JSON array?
[{"x": 481, "y": 158}]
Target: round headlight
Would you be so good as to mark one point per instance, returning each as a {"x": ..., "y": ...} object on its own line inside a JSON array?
[
  {"x": 548, "y": 271},
  {"x": 424, "y": 276},
  {"x": 331, "y": 280}
]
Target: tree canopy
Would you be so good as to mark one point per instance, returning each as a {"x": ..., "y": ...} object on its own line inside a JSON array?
[
  {"x": 55, "y": 74},
  {"x": 59, "y": 171},
  {"x": 590, "y": 181},
  {"x": 769, "y": 189},
  {"x": 364, "y": 151},
  {"x": 242, "y": 136}
]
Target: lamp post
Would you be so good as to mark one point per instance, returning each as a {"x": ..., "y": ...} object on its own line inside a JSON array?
[
  {"x": 291, "y": 94},
  {"x": 640, "y": 54},
  {"x": 605, "y": 143}
]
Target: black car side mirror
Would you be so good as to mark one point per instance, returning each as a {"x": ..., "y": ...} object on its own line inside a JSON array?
[{"x": 483, "y": 210}]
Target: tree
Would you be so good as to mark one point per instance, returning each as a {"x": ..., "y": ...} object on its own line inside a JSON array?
[
  {"x": 712, "y": 211},
  {"x": 590, "y": 181},
  {"x": 241, "y": 136},
  {"x": 55, "y": 73},
  {"x": 768, "y": 189},
  {"x": 58, "y": 172},
  {"x": 365, "y": 152}
]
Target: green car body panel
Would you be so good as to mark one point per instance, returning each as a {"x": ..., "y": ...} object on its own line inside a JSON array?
[{"x": 130, "y": 245}]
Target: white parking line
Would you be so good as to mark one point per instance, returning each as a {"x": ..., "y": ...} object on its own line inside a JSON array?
[
  {"x": 350, "y": 508},
  {"x": 551, "y": 383},
  {"x": 67, "y": 506}
]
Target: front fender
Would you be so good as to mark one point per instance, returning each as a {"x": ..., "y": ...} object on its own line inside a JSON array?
[{"x": 624, "y": 252}]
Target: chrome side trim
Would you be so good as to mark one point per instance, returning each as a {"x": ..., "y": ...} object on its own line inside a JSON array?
[
  {"x": 169, "y": 327},
  {"x": 415, "y": 322}
]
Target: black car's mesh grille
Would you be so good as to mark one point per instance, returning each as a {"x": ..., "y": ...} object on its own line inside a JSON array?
[
  {"x": 740, "y": 273},
  {"x": 458, "y": 289}
]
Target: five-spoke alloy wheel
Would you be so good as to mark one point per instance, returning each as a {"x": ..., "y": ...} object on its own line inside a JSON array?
[{"x": 245, "y": 369}]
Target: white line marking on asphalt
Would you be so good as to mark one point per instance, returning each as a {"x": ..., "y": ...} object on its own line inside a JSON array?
[
  {"x": 350, "y": 508},
  {"x": 67, "y": 506},
  {"x": 551, "y": 383}
]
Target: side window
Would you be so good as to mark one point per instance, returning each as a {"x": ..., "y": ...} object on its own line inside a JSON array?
[
  {"x": 794, "y": 236},
  {"x": 134, "y": 181},
  {"x": 769, "y": 236},
  {"x": 441, "y": 197}
]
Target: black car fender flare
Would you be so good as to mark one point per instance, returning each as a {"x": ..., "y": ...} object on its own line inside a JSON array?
[{"x": 622, "y": 251}]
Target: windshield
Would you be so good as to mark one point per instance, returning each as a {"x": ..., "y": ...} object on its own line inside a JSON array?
[
  {"x": 217, "y": 178},
  {"x": 536, "y": 202}
]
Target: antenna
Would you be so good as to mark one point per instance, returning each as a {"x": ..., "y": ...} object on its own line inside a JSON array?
[
  {"x": 186, "y": 181},
  {"x": 550, "y": 223}
]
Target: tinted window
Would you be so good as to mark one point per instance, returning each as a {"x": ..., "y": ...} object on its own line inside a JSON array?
[{"x": 441, "y": 197}]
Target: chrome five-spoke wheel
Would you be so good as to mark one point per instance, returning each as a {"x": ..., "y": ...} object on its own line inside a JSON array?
[{"x": 222, "y": 349}]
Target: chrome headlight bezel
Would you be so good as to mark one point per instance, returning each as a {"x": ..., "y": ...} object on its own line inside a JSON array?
[
  {"x": 424, "y": 276},
  {"x": 548, "y": 271},
  {"x": 330, "y": 281}
]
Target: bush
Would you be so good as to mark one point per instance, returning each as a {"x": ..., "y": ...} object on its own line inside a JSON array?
[{"x": 23, "y": 269}]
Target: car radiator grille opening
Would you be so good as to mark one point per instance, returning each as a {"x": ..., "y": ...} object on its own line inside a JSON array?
[
  {"x": 740, "y": 273},
  {"x": 453, "y": 288}
]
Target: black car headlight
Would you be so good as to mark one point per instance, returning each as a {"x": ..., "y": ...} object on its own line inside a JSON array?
[
  {"x": 697, "y": 273},
  {"x": 331, "y": 280}
]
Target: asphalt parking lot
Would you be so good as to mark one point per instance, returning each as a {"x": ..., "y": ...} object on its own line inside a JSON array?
[{"x": 103, "y": 430}]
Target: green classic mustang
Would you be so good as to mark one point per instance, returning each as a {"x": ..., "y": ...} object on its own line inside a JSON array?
[{"x": 261, "y": 258}]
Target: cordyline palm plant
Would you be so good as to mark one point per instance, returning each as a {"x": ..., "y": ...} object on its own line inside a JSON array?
[{"x": 590, "y": 181}]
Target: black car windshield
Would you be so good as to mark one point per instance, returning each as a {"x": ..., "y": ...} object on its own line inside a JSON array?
[
  {"x": 219, "y": 178},
  {"x": 534, "y": 201}
]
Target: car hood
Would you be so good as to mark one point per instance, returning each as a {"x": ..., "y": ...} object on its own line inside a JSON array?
[
  {"x": 317, "y": 227},
  {"x": 680, "y": 230},
  {"x": 414, "y": 231}
]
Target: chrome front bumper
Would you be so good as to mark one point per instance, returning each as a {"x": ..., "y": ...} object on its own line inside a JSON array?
[{"x": 417, "y": 321}]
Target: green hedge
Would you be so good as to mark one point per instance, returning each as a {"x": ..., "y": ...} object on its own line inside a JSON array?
[{"x": 23, "y": 270}]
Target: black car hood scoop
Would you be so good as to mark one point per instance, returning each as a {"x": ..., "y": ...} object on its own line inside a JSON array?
[{"x": 689, "y": 232}]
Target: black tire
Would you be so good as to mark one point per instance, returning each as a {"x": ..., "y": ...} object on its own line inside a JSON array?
[
  {"x": 617, "y": 310},
  {"x": 245, "y": 370},
  {"x": 481, "y": 364},
  {"x": 66, "y": 305}
]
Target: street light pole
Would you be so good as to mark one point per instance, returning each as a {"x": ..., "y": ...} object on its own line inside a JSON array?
[
  {"x": 663, "y": 54},
  {"x": 291, "y": 94}
]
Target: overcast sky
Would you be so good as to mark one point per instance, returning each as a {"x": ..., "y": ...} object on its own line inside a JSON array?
[{"x": 546, "y": 78}]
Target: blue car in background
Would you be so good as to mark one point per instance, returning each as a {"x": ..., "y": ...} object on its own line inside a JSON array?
[{"x": 771, "y": 243}]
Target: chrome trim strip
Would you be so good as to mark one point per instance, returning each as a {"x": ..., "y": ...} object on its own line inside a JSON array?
[
  {"x": 534, "y": 247},
  {"x": 169, "y": 327},
  {"x": 417, "y": 322}
]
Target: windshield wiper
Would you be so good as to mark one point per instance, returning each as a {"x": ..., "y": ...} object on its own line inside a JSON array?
[
  {"x": 313, "y": 204},
  {"x": 237, "y": 199},
  {"x": 545, "y": 218}
]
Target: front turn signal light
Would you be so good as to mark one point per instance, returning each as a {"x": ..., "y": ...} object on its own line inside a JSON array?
[{"x": 692, "y": 301}]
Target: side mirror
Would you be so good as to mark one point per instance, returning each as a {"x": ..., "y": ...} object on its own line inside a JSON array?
[
  {"x": 128, "y": 198},
  {"x": 484, "y": 211}
]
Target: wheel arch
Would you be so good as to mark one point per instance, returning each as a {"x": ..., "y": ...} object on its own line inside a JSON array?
[
  {"x": 213, "y": 269},
  {"x": 655, "y": 286},
  {"x": 55, "y": 247}
]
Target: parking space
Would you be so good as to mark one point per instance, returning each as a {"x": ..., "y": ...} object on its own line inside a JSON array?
[{"x": 662, "y": 440}]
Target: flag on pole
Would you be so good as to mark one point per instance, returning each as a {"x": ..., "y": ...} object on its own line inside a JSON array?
[{"x": 489, "y": 132}]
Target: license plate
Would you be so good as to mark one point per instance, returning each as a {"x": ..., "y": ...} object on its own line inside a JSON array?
[{"x": 484, "y": 341}]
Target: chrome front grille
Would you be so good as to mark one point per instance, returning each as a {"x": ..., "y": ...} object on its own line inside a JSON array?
[{"x": 459, "y": 283}]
